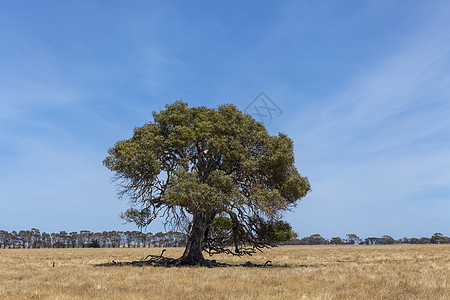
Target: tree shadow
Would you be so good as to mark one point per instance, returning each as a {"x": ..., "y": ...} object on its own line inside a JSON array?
[{"x": 161, "y": 261}]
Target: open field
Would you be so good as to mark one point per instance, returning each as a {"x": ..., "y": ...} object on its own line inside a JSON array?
[{"x": 308, "y": 272}]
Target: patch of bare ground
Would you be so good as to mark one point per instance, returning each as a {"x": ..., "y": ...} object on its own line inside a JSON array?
[{"x": 345, "y": 272}]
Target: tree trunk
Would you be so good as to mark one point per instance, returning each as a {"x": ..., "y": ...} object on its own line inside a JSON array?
[{"x": 193, "y": 253}]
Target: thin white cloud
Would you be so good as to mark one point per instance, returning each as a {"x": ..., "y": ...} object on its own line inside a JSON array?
[{"x": 381, "y": 144}]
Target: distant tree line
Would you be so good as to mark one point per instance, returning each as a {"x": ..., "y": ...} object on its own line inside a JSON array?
[
  {"x": 84, "y": 239},
  {"x": 353, "y": 239},
  {"x": 114, "y": 239}
]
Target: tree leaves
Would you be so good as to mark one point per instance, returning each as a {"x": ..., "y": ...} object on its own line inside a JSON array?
[{"x": 201, "y": 160}]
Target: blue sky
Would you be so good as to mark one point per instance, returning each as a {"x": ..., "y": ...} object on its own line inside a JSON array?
[{"x": 364, "y": 87}]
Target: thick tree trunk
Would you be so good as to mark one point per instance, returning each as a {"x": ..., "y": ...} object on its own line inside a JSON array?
[{"x": 193, "y": 253}]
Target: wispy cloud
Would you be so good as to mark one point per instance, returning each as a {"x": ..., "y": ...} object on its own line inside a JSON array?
[{"x": 382, "y": 143}]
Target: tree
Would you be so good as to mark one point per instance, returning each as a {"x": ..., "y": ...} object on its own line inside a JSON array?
[
  {"x": 315, "y": 239},
  {"x": 336, "y": 241},
  {"x": 352, "y": 239},
  {"x": 115, "y": 238},
  {"x": 438, "y": 238},
  {"x": 104, "y": 237},
  {"x": 46, "y": 240},
  {"x": 372, "y": 240},
  {"x": 5, "y": 238},
  {"x": 192, "y": 164},
  {"x": 413, "y": 240},
  {"x": 24, "y": 237},
  {"x": 84, "y": 238},
  {"x": 35, "y": 237},
  {"x": 73, "y": 237},
  {"x": 128, "y": 238},
  {"x": 142, "y": 239},
  {"x": 386, "y": 240},
  {"x": 424, "y": 240},
  {"x": 14, "y": 239}
]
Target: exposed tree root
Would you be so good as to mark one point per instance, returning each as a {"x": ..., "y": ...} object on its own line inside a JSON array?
[{"x": 161, "y": 261}]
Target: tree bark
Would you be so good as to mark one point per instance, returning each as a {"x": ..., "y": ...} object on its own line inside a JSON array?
[{"x": 193, "y": 253}]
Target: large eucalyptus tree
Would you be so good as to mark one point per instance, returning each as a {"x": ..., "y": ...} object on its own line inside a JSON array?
[{"x": 217, "y": 169}]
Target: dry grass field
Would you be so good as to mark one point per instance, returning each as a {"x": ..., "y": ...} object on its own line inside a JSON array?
[{"x": 303, "y": 272}]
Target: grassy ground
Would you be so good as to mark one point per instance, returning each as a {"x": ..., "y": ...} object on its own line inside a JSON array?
[{"x": 309, "y": 272}]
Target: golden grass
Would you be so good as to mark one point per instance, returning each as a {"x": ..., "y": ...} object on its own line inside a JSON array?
[{"x": 332, "y": 272}]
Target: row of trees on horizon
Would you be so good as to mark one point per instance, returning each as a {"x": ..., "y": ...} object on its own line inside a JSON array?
[
  {"x": 353, "y": 239},
  {"x": 113, "y": 239},
  {"x": 107, "y": 239}
]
